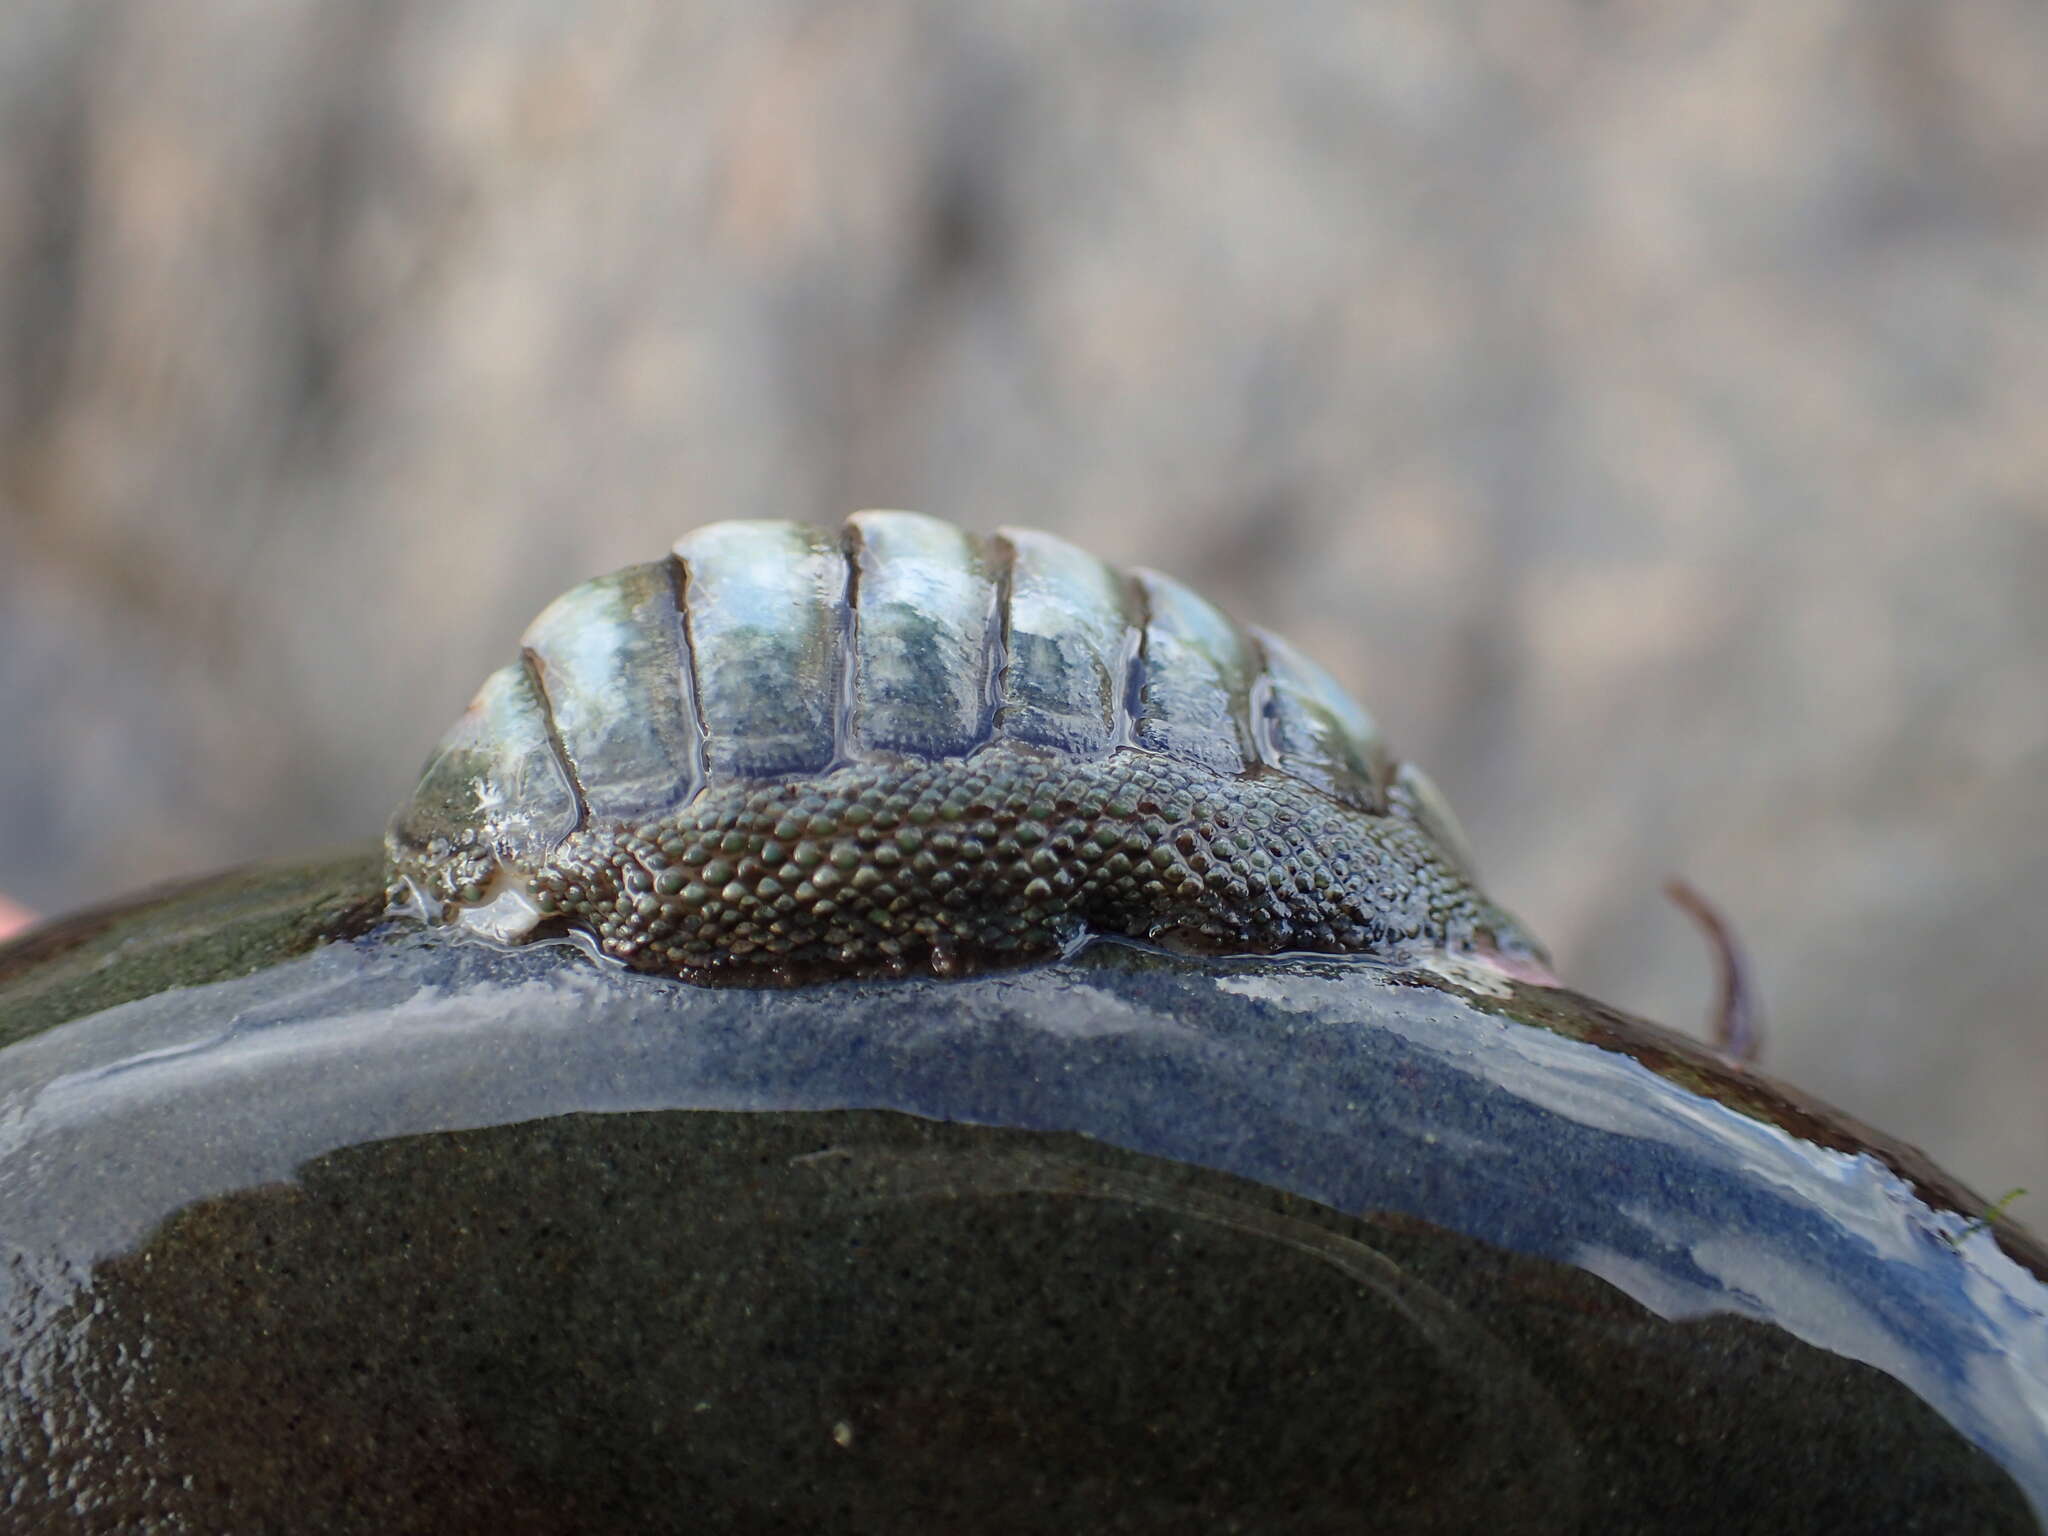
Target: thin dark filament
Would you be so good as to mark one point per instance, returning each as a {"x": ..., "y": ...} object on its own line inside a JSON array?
[{"x": 1736, "y": 1024}]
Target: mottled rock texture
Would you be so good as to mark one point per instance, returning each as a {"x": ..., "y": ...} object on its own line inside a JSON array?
[{"x": 1636, "y": 406}]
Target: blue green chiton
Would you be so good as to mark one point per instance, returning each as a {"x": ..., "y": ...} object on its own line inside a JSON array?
[{"x": 788, "y": 754}]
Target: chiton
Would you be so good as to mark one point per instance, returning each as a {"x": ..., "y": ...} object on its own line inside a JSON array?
[{"x": 787, "y": 754}]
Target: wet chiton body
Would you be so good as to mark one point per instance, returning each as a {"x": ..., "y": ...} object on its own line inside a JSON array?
[{"x": 785, "y": 754}]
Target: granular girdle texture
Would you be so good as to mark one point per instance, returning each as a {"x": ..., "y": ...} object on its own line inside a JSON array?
[{"x": 1010, "y": 855}]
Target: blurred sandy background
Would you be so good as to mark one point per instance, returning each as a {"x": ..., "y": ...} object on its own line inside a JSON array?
[{"x": 1640, "y": 405}]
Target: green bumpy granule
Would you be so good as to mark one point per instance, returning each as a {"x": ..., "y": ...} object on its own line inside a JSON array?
[{"x": 1012, "y": 855}]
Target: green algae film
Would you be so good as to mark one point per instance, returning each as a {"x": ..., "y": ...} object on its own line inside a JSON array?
[{"x": 185, "y": 935}]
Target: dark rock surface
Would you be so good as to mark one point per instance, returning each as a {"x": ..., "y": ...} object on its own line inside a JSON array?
[
  {"x": 410, "y": 1231},
  {"x": 846, "y": 1322}
]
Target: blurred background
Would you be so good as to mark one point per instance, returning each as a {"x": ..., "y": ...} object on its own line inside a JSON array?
[{"x": 1639, "y": 405}]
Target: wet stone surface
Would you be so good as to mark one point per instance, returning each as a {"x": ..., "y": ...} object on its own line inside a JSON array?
[
  {"x": 405, "y": 1231},
  {"x": 843, "y": 1321}
]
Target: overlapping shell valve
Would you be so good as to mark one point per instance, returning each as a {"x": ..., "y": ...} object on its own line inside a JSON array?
[{"x": 785, "y": 754}]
